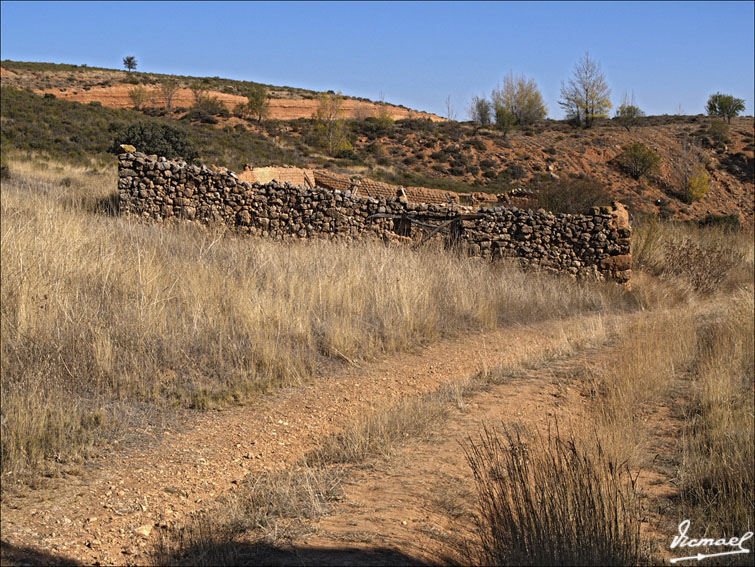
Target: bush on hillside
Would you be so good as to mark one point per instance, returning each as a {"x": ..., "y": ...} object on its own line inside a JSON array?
[
  {"x": 697, "y": 185},
  {"x": 153, "y": 138},
  {"x": 719, "y": 133},
  {"x": 638, "y": 160}
]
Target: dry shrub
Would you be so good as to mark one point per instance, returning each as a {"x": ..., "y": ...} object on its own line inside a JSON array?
[
  {"x": 697, "y": 186},
  {"x": 552, "y": 502},
  {"x": 704, "y": 259},
  {"x": 643, "y": 369}
]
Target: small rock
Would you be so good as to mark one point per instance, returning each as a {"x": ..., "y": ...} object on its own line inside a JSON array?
[{"x": 144, "y": 530}]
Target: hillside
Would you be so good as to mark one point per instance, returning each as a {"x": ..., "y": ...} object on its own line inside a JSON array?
[
  {"x": 414, "y": 149},
  {"x": 111, "y": 88},
  {"x": 183, "y": 393}
]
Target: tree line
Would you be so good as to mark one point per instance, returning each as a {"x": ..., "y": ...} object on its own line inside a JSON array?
[{"x": 584, "y": 98}]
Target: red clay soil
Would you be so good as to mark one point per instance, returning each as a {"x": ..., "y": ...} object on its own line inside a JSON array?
[{"x": 117, "y": 96}]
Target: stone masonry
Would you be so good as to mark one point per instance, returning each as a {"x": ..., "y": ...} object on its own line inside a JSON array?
[{"x": 593, "y": 245}]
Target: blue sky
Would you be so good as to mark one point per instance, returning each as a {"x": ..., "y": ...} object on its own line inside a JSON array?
[{"x": 671, "y": 54}]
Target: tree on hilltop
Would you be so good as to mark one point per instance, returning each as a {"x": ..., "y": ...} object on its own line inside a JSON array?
[
  {"x": 586, "y": 96},
  {"x": 628, "y": 114},
  {"x": 480, "y": 110},
  {"x": 724, "y": 106},
  {"x": 130, "y": 62},
  {"x": 520, "y": 97}
]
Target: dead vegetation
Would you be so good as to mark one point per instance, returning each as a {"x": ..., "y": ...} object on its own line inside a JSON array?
[{"x": 104, "y": 317}]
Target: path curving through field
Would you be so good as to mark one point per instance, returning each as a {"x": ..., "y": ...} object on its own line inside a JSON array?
[{"x": 107, "y": 515}]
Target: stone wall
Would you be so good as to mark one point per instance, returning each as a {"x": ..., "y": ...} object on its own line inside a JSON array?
[{"x": 591, "y": 245}]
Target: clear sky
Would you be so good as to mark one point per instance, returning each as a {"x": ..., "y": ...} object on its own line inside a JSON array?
[{"x": 671, "y": 54}]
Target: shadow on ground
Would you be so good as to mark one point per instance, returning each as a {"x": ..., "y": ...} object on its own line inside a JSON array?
[
  {"x": 12, "y": 555},
  {"x": 253, "y": 554}
]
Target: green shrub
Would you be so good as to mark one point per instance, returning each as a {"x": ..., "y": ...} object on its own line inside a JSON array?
[
  {"x": 154, "y": 138},
  {"x": 697, "y": 185},
  {"x": 4, "y": 168},
  {"x": 200, "y": 115},
  {"x": 719, "y": 132},
  {"x": 731, "y": 222},
  {"x": 637, "y": 160}
]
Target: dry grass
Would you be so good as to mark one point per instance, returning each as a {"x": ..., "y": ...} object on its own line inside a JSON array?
[
  {"x": 268, "y": 508},
  {"x": 102, "y": 314},
  {"x": 700, "y": 260},
  {"x": 552, "y": 502},
  {"x": 717, "y": 476},
  {"x": 695, "y": 355}
]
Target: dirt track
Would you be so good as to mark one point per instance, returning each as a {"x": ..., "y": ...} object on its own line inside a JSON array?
[{"x": 93, "y": 517}]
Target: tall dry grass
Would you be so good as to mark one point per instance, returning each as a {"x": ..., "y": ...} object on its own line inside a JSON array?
[
  {"x": 552, "y": 501},
  {"x": 102, "y": 315},
  {"x": 694, "y": 260},
  {"x": 693, "y": 352},
  {"x": 717, "y": 476}
]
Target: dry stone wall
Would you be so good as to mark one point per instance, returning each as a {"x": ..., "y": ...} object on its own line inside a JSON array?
[{"x": 590, "y": 245}]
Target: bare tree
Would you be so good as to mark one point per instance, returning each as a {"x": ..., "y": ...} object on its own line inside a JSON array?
[
  {"x": 168, "y": 90},
  {"x": 450, "y": 110},
  {"x": 586, "y": 96},
  {"x": 200, "y": 92},
  {"x": 138, "y": 96}
]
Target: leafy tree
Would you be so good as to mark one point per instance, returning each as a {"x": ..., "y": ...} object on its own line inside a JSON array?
[
  {"x": 480, "y": 110},
  {"x": 638, "y": 160},
  {"x": 168, "y": 89},
  {"x": 153, "y": 138},
  {"x": 628, "y": 114},
  {"x": 257, "y": 104},
  {"x": 520, "y": 97},
  {"x": 586, "y": 96},
  {"x": 724, "y": 106},
  {"x": 130, "y": 62},
  {"x": 504, "y": 120},
  {"x": 330, "y": 129}
]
